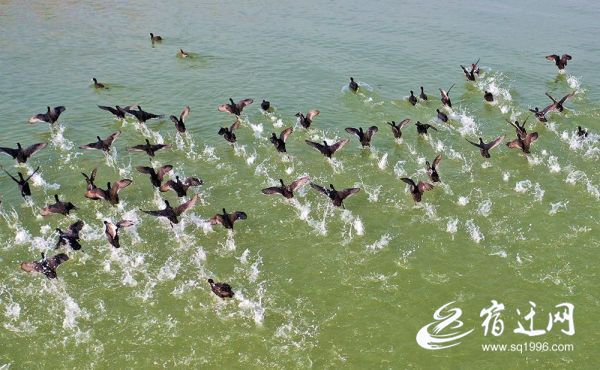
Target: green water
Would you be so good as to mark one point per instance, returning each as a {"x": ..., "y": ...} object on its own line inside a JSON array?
[{"x": 315, "y": 286}]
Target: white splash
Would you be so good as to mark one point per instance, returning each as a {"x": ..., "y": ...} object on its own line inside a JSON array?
[{"x": 383, "y": 241}]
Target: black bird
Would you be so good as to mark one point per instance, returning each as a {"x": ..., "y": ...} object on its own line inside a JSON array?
[
  {"x": 222, "y": 290},
  {"x": 484, "y": 148},
  {"x": 469, "y": 74},
  {"x": 71, "y": 236},
  {"x": 235, "y": 108},
  {"x": 22, "y": 155},
  {"x": 541, "y": 114},
  {"x": 353, "y": 85},
  {"x": 50, "y": 116},
  {"x": 171, "y": 213},
  {"x": 97, "y": 84},
  {"x": 265, "y": 105},
  {"x": 412, "y": 99},
  {"x": 112, "y": 231},
  {"x": 442, "y": 116},
  {"x": 22, "y": 182},
  {"x": 417, "y": 190},
  {"x": 111, "y": 194},
  {"x": 116, "y": 111},
  {"x": 180, "y": 187},
  {"x": 582, "y": 132},
  {"x": 364, "y": 137},
  {"x": 561, "y": 62},
  {"x": 519, "y": 128},
  {"x": 59, "y": 207},
  {"x": 423, "y": 127},
  {"x": 90, "y": 179},
  {"x": 445, "y": 97},
  {"x": 180, "y": 122},
  {"x": 286, "y": 190},
  {"x": 423, "y": 96},
  {"x": 155, "y": 177},
  {"x": 559, "y": 104},
  {"x": 326, "y": 149},
  {"x": 488, "y": 96},
  {"x": 141, "y": 115},
  {"x": 183, "y": 54},
  {"x": 227, "y": 219},
  {"x": 432, "y": 168},
  {"x": 102, "y": 144},
  {"x": 227, "y": 133},
  {"x": 155, "y": 38},
  {"x": 150, "y": 149},
  {"x": 45, "y": 266},
  {"x": 397, "y": 128},
  {"x": 305, "y": 121},
  {"x": 523, "y": 142},
  {"x": 337, "y": 196},
  {"x": 279, "y": 142}
]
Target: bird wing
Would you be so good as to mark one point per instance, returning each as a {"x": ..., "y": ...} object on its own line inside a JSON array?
[
  {"x": 146, "y": 170},
  {"x": 565, "y": 57},
  {"x": 299, "y": 182},
  {"x": 75, "y": 228},
  {"x": 163, "y": 171},
  {"x": 125, "y": 223},
  {"x": 408, "y": 181},
  {"x": 94, "y": 145},
  {"x": 531, "y": 137},
  {"x": 237, "y": 215},
  {"x": 112, "y": 137},
  {"x": 476, "y": 144},
  {"x": 193, "y": 181},
  {"x": 436, "y": 161},
  {"x": 547, "y": 109},
  {"x": 286, "y": 133},
  {"x": 551, "y": 98},
  {"x": 566, "y": 97},
  {"x": 225, "y": 108},
  {"x": 348, "y": 192},
  {"x": 339, "y": 145},
  {"x": 96, "y": 193},
  {"x": 319, "y": 188},
  {"x": 216, "y": 219},
  {"x": 272, "y": 190},
  {"x": 137, "y": 148},
  {"x": 109, "y": 109},
  {"x": 423, "y": 186},
  {"x": 317, "y": 146},
  {"x": 10, "y": 151},
  {"x": 156, "y": 147},
  {"x": 184, "y": 114},
  {"x": 515, "y": 144},
  {"x": 428, "y": 126},
  {"x": 56, "y": 260},
  {"x": 371, "y": 131},
  {"x": 494, "y": 143},
  {"x": 312, "y": 114},
  {"x": 552, "y": 57},
  {"x": 121, "y": 184},
  {"x": 31, "y": 150},
  {"x": 235, "y": 125},
  {"x": 185, "y": 206},
  {"x": 167, "y": 186},
  {"x": 243, "y": 103},
  {"x": 403, "y": 123}
]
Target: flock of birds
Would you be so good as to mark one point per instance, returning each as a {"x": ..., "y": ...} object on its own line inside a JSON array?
[{"x": 70, "y": 237}]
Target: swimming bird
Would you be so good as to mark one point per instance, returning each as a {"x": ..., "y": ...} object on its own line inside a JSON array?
[
  {"x": 180, "y": 122},
  {"x": 227, "y": 219},
  {"x": 445, "y": 97},
  {"x": 112, "y": 231},
  {"x": 116, "y": 111},
  {"x": 412, "y": 99},
  {"x": 235, "y": 108},
  {"x": 50, "y": 116},
  {"x": 305, "y": 121},
  {"x": 279, "y": 142},
  {"x": 353, "y": 85},
  {"x": 141, "y": 115},
  {"x": 171, "y": 213},
  {"x": 150, "y": 149},
  {"x": 22, "y": 183},
  {"x": 484, "y": 148},
  {"x": 326, "y": 149},
  {"x": 286, "y": 190},
  {"x": 97, "y": 84},
  {"x": 423, "y": 96},
  {"x": 22, "y": 155},
  {"x": 183, "y": 54},
  {"x": 265, "y": 105},
  {"x": 101, "y": 144},
  {"x": 156, "y": 177},
  {"x": 561, "y": 62},
  {"x": 90, "y": 179},
  {"x": 432, "y": 168},
  {"x": 397, "y": 128},
  {"x": 442, "y": 116},
  {"x": 423, "y": 127},
  {"x": 559, "y": 104},
  {"x": 222, "y": 290},
  {"x": 227, "y": 133},
  {"x": 155, "y": 38},
  {"x": 71, "y": 236},
  {"x": 59, "y": 207},
  {"x": 488, "y": 96},
  {"x": 417, "y": 190},
  {"x": 337, "y": 196},
  {"x": 582, "y": 132},
  {"x": 180, "y": 187},
  {"x": 111, "y": 194},
  {"x": 363, "y": 137},
  {"x": 45, "y": 266},
  {"x": 523, "y": 142}
]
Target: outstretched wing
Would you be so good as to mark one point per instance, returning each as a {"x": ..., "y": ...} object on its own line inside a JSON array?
[
  {"x": 167, "y": 186},
  {"x": 568, "y": 96},
  {"x": 312, "y": 114},
  {"x": 319, "y": 188},
  {"x": 121, "y": 184},
  {"x": 185, "y": 206},
  {"x": 112, "y": 137},
  {"x": 10, "y": 151},
  {"x": 137, "y": 148},
  {"x": 56, "y": 260},
  {"x": 34, "y": 149},
  {"x": 285, "y": 133},
  {"x": 75, "y": 228},
  {"x": 272, "y": 190},
  {"x": 317, "y": 146},
  {"x": 299, "y": 182},
  {"x": 225, "y": 108},
  {"x": 552, "y": 57},
  {"x": 371, "y": 131},
  {"x": 125, "y": 223},
  {"x": 436, "y": 161},
  {"x": 531, "y": 137},
  {"x": 408, "y": 181},
  {"x": 476, "y": 144},
  {"x": 243, "y": 103},
  {"x": 216, "y": 219},
  {"x": 339, "y": 145},
  {"x": 565, "y": 57},
  {"x": 404, "y": 122},
  {"x": 494, "y": 143},
  {"x": 237, "y": 215},
  {"x": 193, "y": 181},
  {"x": 92, "y": 146},
  {"x": 146, "y": 170},
  {"x": 235, "y": 125},
  {"x": 352, "y": 130},
  {"x": 184, "y": 114},
  {"x": 423, "y": 186},
  {"x": 515, "y": 144},
  {"x": 110, "y": 109},
  {"x": 348, "y": 192}
]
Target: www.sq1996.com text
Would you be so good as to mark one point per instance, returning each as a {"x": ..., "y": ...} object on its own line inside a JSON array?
[{"x": 529, "y": 347}]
